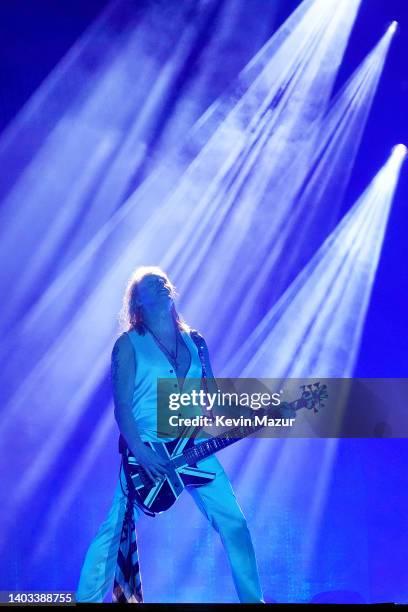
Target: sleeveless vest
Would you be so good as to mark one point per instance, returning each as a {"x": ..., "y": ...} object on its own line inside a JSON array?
[{"x": 151, "y": 364}]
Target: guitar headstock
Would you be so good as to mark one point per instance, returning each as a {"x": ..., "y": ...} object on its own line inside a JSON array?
[{"x": 313, "y": 395}]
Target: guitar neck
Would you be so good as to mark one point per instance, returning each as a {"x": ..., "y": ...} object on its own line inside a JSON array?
[{"x": 216, "y": 443}]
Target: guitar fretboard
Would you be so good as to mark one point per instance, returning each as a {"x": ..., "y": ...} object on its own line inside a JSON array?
[{"x": 215, "y": 443}]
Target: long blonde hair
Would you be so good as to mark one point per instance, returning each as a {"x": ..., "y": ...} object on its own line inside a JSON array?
[{"x": 131, "y": 316}]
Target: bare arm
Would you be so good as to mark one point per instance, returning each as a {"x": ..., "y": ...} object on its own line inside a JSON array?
[{"x": 123, "y": 371}]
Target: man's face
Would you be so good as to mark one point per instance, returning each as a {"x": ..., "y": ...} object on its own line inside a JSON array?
[{"x": 154, "y": 290}]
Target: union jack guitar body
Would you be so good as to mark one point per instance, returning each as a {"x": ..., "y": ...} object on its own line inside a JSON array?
[
  {"x": 184, "y": 454},
  {"x": 183, "y": 472}
]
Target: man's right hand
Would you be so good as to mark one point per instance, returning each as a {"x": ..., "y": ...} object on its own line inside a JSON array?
[{"x": 155, "y": 466}]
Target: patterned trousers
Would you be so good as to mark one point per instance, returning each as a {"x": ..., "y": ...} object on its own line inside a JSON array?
[{"x": 219, "y": 505}]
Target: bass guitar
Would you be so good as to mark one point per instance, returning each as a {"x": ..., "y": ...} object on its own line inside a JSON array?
[{"x": 184, "y": 454}]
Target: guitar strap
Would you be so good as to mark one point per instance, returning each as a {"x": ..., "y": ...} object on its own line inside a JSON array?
[{"x": 199, "y": 342}]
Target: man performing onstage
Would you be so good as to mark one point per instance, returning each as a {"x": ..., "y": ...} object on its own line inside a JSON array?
[{"x": 157, "y": 344}]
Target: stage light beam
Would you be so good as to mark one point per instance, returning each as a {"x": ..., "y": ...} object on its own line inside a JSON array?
[
  {"x": 400, "y": 151},
  {"x": 318, "y": 322},
  {"x": 393, "y": 27}
]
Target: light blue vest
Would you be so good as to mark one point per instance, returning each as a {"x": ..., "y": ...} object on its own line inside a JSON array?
[{"x": 151, "y": 364}]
